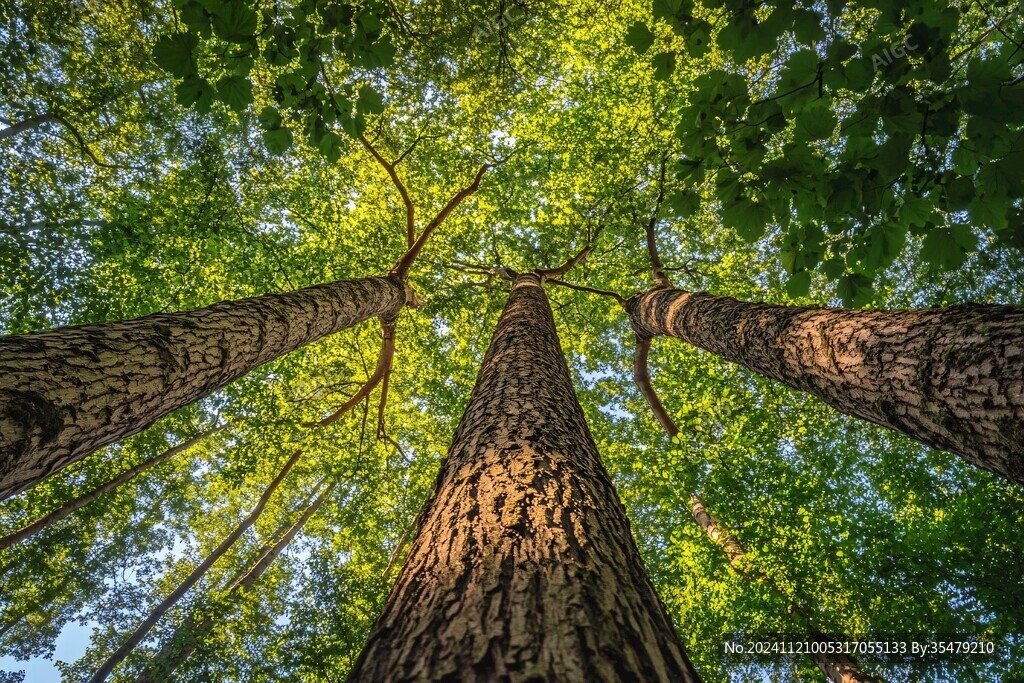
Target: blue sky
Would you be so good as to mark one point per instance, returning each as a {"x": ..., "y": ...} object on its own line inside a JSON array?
[{"x": 71, "y": 645}]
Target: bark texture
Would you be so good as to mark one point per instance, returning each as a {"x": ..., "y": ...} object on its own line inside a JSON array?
[
  {"x": 188, "y": 636},
  {"x": 66, "y": 392},
  {"x": 81, "y": 501},
  {"x": 524, "y": 567},
  {"x": 952, "y": 378},
  {"x": 193, "y": 578}
]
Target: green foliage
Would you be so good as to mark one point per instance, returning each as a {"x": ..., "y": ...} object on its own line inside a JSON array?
[
  {"x": 882, "y": 95},
  {"x": 306, "y": 57},
  {"x": 795, "y": 171}
]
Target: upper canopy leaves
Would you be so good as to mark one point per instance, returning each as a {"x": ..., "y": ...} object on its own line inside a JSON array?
[{"x": 872, "y": 118}]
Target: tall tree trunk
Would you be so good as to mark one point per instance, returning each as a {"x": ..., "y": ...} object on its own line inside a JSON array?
[
  {"x": 837, "y": 667},
  {"x": 192, "y": 579},
  {"x": 952, "y": 378},
  {"x": 81, "y": 501},
  {"x": 188, "y": 636},
  {"x": 66, "y": 392},
  {"x": 524, "y": 566}
]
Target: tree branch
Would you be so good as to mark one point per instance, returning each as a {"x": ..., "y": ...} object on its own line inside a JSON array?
[
  {"x": 410, "y": 208},
  {"x": 380, "y": 373},
  {"x": 642, "y": 377},
  {"x": 401, "y": 269},
  {"x": 41, "y": 119},
  {"x": 603, "y": 292},
  {"x": 661, "y": 280}
]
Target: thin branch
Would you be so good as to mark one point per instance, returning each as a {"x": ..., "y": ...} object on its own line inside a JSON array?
[
  {"x": 383, "y": 369},
  {"x": 642, "y": 377},
  {"x": 16, "y": 128},
  {"x": 410, "y": 208},
  {"x": 382, "y": 404},
  {"x": 603, "y": 292},
  {"x": 396, "y": 552},
  {"x": 88, "y": 151},
  {"x": 503, "y": 272},
  {"x": 559, "y": 271},
  {"x": 194, "y": 577},
  {"x": 661, "y": 280},
  {"x": 401, "y": 269}
]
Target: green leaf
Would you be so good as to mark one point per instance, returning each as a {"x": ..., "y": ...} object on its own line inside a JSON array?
[
  {"x": 354, "y": 125},
  {"x": 270, "y": 118},
  {"x": 195, "y": 92},
  {"x": 799, "y": 284},
  {"x": 233, "y": 20},
  {"x": 816, "y": 121},
  {"x": 639, "y": 37},
  {"x": 915, "y": 210},
  {"x": 330, "y": 146},
  {"x": 667, "y": 9},
  {"x": 854, "y": 289},
  {"x": 749, "y": 219},
  {"x": 808, "y": 27},
  {"x": 664, "y": 65},
  {"x": 235, "y": 91},
  {"x": 277, "y": 140},
  {"x": 196, "y": 17},
  {"x": 947, "y": 248},
  {"x": 173, "y": 53},
  {"x": 684, "y": 203},
  {"x": 370, "y": 101}
]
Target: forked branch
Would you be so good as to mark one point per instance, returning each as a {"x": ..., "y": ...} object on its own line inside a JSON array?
[
  {"x": 401, "y": 269},
  {"x": 380, "y": 373},
  {"x": 410, "y": 208}
]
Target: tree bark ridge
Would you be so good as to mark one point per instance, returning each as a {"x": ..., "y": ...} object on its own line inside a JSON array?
[
  {"x": 952, "y": 377},
  {"x": 66, "y": 392},
  {"x": 524, "y": 567}
]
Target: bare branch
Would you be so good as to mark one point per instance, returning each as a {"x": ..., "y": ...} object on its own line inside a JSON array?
[
  {"x": 36, "y": 121},
  {"x": 551, "y": 273},
  {"x": 401, "y": 269},
  {"x": 410, "y": 208},
  {"x": 642, "y": 377},
  {"x": 581, "y": 288},
  {"x": 503, "y": 272},
  {"x": 661, "y": 280},
  {"x": 380, "y": 372}
]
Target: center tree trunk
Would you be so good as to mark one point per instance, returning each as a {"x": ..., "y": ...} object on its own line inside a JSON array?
[
  {"x": 66, "y": 392},
  {"x": 524, "y": 567},
  {"x": 952, "y": 378}
]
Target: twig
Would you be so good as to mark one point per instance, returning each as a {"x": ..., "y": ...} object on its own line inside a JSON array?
[{"x": 603, "y": 292}]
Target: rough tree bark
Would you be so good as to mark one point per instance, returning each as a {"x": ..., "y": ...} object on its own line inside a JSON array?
[
  {"x": 524, "y": 567},
  {"x": 66, "y": 392},
  {"x": 188, "y": 636},
  {"x": 952, "y": 377},
  {"x": 193, "y": 578},
  {"x": 81, "y": 501}
]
